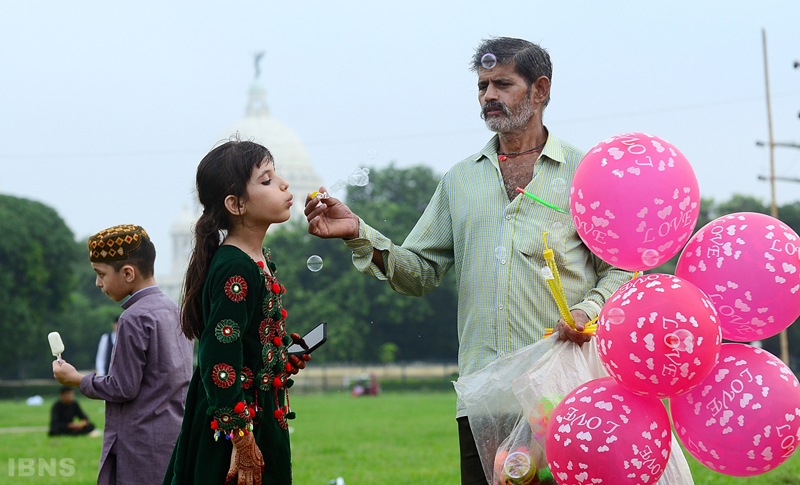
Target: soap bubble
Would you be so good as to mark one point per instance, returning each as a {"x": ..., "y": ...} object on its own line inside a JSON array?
[
  {"x": 314, "y": 263},
  {"x": 650, "y": 258},
  {"x": 488, "y": 61},
  {"x": 681, "y": 339},
  {"x": 359, "y": 177},
  {"x": 338, "y": 185},
  {"x": 615, "y": 316},
  {"x": 558, "y": 185},
  {"x": 500, "y": 254},
  {"x": 371, "y": 154},
  {"x": 558, "y": 231}
]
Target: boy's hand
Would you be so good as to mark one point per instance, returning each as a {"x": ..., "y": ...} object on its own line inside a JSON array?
[{"x": 66, "y": 374}]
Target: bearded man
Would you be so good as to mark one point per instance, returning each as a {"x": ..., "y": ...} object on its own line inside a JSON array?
[{"x": 477, "y": 223}]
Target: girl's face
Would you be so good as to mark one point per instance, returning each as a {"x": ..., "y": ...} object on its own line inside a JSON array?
[{"x": 268, "y": 198}]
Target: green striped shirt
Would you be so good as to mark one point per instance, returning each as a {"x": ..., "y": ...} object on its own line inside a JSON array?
[{"x": 496, "y": 248}]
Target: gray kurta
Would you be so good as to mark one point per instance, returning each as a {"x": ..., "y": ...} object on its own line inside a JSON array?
[{"x": 150, "y": 369}]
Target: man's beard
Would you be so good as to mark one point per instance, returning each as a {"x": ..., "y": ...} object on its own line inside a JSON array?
[{"x": 511, "y": 121}]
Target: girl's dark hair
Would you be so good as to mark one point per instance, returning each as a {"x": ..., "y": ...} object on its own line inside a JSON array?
[{"x": 225, "y": 171}]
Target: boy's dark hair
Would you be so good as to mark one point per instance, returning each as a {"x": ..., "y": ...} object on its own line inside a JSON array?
[
  {"x": 142, "y": 258},
  {"x": 65, "y": 390}
]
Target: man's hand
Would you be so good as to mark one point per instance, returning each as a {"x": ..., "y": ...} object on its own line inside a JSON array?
[
  {"x": 567, "y": 333},
  {"x": 330, "y": 218},
  {"x": 66, "y": 374}
]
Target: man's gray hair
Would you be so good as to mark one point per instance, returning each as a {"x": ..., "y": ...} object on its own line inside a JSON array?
[{"x": 530, "y": 60}]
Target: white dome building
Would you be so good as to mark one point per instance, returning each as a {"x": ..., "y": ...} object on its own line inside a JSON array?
[
  {"x": 289, "y": 153},
  {"x": 292, "y": 164},
  {"x": 181, "y": 235}
]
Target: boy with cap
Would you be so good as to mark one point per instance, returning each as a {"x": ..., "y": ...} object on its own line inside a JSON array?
[{"x": 151, "y": 363}]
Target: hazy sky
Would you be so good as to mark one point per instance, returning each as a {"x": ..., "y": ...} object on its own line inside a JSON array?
[{"x": 106, "y": 108}]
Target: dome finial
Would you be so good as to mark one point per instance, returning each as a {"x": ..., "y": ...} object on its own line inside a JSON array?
[
  {"x": 257, "y": 102},
  {"x": 257, "y": 60}
]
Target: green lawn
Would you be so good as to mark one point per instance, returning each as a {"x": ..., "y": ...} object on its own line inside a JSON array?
[{"x": 395, "y": 438}]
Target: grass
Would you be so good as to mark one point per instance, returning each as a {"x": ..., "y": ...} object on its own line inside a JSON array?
[
  {"x": 395, "y": 438},
  {"x": 61, "y": 460}
]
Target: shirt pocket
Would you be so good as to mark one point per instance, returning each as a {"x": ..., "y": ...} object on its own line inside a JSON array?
[
  {"x": 530, "y": 245},
  {"x": 533, "y": 237}
]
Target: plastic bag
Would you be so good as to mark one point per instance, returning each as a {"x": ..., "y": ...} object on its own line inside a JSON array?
[
  {"x": 509, "y": 402},
  {"x": 520, "y": 458},
  {"x": 559, "y": 372},
  {"x": 491, "y": 405}
]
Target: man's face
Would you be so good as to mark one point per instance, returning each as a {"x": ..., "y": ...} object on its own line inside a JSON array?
[{"x": 505, "y": 99}]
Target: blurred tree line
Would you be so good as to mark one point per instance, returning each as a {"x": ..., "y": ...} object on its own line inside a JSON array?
[
  {"x": 367, "y": 320},
  {"x": 47, "y": 284}
]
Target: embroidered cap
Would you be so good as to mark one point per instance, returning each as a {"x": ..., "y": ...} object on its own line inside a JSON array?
[{"x": 115, "y": 243}]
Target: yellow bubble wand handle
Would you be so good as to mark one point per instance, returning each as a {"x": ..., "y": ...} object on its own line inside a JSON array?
[
  {"x": 550, "y": 259},
  {"x": 558, "y": 294}
]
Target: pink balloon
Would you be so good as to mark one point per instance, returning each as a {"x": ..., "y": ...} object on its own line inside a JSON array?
[
  {"x": 603, "y": 433},
  {"x": 658, "y": 335},
  {"x": 744, "y": 419},
  {"x": 634, "y": 200},
  {"x": 749, "y": 264}
]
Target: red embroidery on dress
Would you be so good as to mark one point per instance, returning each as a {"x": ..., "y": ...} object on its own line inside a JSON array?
[
  {"x": 246, "y": 377},
  {"x": 236, "y": 288},
  {"x": 224, "y": 376}
]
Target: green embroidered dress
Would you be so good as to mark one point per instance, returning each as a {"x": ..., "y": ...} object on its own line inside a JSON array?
[{"x": 241, "y": 376}]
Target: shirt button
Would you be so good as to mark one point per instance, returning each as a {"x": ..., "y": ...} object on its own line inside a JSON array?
[
  {"x": 502, "y": 261},
  {"x": 500, "y": 306},
  {"x": 508, "y": 217}
]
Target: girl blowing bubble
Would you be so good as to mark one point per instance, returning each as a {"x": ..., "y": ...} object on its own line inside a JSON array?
[{"x": 235, "y": 425}]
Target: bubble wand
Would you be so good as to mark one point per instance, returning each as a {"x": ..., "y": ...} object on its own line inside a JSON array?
[
  {"x": 553, "y": 279},
  {"x": 591, "y": 327},
  {"x": 549, "y": 257},
  {"x": 552, "y": 283},
  {"x": 546, "y": 204}
]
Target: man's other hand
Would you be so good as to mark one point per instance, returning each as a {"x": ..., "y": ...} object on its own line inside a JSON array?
[{"x": 566, "y": 332}]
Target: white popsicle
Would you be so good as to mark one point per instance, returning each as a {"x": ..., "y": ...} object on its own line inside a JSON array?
[{"x": 56, "y": 345}]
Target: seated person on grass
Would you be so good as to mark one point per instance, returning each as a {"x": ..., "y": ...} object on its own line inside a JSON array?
[{"x": 63, "y": 414}]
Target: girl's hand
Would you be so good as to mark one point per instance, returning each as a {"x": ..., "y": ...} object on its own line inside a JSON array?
[
  {"x": 330, "y": 218},
  {"x": 298, "y": 363},
  {"x": 247, "y": 464}
]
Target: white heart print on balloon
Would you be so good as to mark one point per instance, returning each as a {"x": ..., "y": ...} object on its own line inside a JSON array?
[
  {"x": 744, "y": 418},
  {"x": 634, "y": 200},
  {"x": 749, "y": 264}
]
